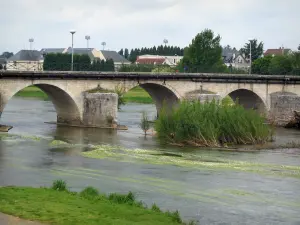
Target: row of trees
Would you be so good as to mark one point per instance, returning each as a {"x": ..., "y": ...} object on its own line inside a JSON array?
[
  {"x": 278, "y": 65},
  {"x": 159, "y": 50},
  {"x": 7, "y": 54},
  {"x": 62, "y": 62}
]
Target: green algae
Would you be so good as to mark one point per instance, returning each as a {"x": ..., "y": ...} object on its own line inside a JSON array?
[
  {"x": 58, "y": 143},
  {"x": 189, "y": 160}
]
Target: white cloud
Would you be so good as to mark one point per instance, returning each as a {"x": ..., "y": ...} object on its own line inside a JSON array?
[{"x": 137, "y": 23}]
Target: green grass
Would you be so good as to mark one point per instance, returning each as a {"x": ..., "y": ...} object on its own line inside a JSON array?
[
  {"x": 138, "y": 95},
  {"x": 32, "y": 92},
  {"x": 212, "y": 125},
  {"x": 88, "y": 207}
]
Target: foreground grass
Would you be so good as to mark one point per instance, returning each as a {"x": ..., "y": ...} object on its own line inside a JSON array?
[{"x": 59, "y": 206}]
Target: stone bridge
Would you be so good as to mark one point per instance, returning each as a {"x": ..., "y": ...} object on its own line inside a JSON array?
[{"x": 277, "y": 96}]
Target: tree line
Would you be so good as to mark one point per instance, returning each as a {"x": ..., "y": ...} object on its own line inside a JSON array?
[
  {"x": 62, "y": 62},
  {"x": 164, "y": 50}
]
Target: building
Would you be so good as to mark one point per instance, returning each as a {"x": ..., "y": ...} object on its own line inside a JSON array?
[
  {"x": 279, "y": 51},
  {"x": 118, "y": 59},
  {"x": 91, "y": 52},
  {"x": 232, "y": 57},
  {"x": 159, "y": 60},
  {"x": 26, "y": 60},
  {"x": 53, "y": 50}
]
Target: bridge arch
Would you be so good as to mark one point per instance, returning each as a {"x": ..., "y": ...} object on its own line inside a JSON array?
[
  {"x": 248, "y": 99},
  {"x": 67, "y": 109},
  {"x": 160, "y": 93}
]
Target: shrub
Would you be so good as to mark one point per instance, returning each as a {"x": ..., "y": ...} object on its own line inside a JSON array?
[
  {"x": 59, "y": 185},
  {"x": 89, "y": 193},
  {"x": 175, "y": 216},
  {"x": 122, "y": 198},
  {"x": 211, "y": 124},
  {"x": 145, "y": 123},
  {"x": 155, "y": 208}
]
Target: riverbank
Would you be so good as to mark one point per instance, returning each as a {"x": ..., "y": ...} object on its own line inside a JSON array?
[
  {"x": 135, "y": 95},
  {"x": 87, "y": 207}
]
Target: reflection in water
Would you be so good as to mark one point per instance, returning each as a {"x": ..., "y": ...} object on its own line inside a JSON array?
[{"x": 208, "y": 192}]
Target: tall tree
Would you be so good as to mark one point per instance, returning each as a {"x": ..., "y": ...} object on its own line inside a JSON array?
[
  {"x": 257, "y": 49},
  {"x": 121, "y": 52},
  {"x": 7, "y": 54},
  {"x": 126, "y": 53},
  {"x": 204, "y": 54}
]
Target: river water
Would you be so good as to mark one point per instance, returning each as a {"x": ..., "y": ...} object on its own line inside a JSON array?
[{"x": 210, "y": 186}]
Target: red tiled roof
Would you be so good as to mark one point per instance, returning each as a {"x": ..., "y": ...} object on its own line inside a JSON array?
[
  {"x": 276, "y": 51},
  {"x": 157, "y": 61}
]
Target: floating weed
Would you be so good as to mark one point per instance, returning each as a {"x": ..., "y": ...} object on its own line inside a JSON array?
[
  {"x": 58, "y": 142},
  {"x": 189, "y": 160},
  {"x": 239, "y": 192},
  {"x": 34, "y": 138}
]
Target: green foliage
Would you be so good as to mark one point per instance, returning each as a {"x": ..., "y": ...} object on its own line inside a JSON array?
[
  {"x": 175, "y": 216},
  {"x": 211, "y": 124},
  {"x": 261, "y": 65},
  {"x": 62, "y": 62},
  {"x": 89, "y": 193},
  {"x": 257, "y": 49},
  {"x": 59, "y": 185},
  {"x": 7, "y": 54},
  {"x": 280, "y": 65},
  {"x": 163, "y": 69},
  {"x": 136, "y": 68},
  {"x": 145, "y": 123},
  {"x": 122, "y": 198},
  {"x": 159, "y": 50},
  {"x": 120, "y": 90},
  {"x": 204, "y": 54},
  {"x": 155, "y": 208}
]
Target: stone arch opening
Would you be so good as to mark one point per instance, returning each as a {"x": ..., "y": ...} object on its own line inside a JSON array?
[
  {"x": 161, "y": 95},
  {"x": 248, "y": 99},
  {"x": 66, "y": 108}
]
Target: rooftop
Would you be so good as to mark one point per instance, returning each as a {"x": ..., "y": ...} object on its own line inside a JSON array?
[
  {"x": 26, "y": 55},
  {"x": 116, "y": 57}
]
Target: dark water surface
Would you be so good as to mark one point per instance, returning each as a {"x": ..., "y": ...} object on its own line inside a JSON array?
[{"x": 213, "y": 187}]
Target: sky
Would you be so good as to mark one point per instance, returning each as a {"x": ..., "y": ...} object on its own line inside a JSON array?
[{"x": 145, "y": 23}]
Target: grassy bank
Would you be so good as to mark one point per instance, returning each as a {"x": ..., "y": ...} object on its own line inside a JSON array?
[
  {"x": 212, "y": 125},
  {"x": 57, "y": 205},
  {"x": 32, "y": 92},
  {"x": 136, "y": 95}
]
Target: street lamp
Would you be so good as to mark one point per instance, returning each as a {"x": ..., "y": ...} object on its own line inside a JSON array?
[
  {"x": 250, "y": 57},
  {"x": 165, "y": 41},
  {"x": 103, "y": 44},
  {"x": 72, "y": 32},
  {"x": 87, "y": 38},
  {"x": 31, "y": 40}
]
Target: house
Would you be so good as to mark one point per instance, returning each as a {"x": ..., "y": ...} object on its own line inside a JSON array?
[
  {"x": 3, "y": 63},
  {"x": 118, "y": 59},
  {"x": 53, "y": 50},
  {"x": 158, "y": 60},
  {"x": 279, "y": 51},
  {"x": 91, "y": 52},
  {"x": 26, "y": 60},
  {"x": 232, "y": 57}
]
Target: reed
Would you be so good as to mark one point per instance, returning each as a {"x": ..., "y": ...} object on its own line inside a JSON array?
[{"x": 212, "y": 124}]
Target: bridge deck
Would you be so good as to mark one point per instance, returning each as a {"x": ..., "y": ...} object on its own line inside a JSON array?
[{"x": 194, "y": 77}]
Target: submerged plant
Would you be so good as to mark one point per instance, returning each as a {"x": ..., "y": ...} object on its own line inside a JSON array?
[
  {"x": 145, "y": 123},
  {"x": 211, "y": 124}
]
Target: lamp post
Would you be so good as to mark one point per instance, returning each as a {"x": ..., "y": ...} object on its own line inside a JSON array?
[
  {"x": 103, "y": 44},
  {"x": 250, "y": 57},
  {"x": 72, "y": 60},
  {"x": 87, "y": 38},
  {"x": 31, "y": 40},
  {"x": 165, "y": 41}
]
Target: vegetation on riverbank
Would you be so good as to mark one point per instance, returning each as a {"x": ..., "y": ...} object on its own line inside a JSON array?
[
  {"x": 211, "y": 124},
  {"x": 64, "y": 207},
  {"x": 136, "y": 95}
]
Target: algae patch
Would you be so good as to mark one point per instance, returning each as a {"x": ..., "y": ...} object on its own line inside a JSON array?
[{"x": 201, "y": 162}]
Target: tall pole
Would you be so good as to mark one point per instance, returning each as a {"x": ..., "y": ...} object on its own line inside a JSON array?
[
  {"x": 250, "y": 58},
  {"x": 31, "y": 40},
  {"x": 72, "y": 56},
  {"x": 87, "y": 38}
]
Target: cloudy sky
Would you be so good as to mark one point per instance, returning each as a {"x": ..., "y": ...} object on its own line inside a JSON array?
[{"x": 139, "y": 23}]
